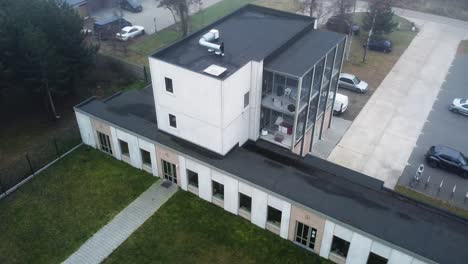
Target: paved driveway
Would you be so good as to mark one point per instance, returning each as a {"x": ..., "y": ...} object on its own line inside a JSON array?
[
  {"x": 445, "y": 128},
  {"x": 382, "y": 137}
]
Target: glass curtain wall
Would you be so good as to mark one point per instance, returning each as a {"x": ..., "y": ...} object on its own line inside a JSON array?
[{"x": 279, "y": 107}]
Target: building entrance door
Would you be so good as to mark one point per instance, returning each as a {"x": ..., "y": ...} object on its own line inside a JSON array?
[{"x": 169, "y": 171}]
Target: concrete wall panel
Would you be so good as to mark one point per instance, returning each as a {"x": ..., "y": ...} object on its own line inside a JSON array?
[
  {"x": 183, "y": 173},
  {"x": 327, "y": 239},
  {"x": 343, "y": 233},
  {"x": 86, "y": 129},
  {"x": 307, "y": 218},
  {"x": 359, "y": 249},
  {"x": 231, "y": 195},
  {"x": 397, "y": 257},
  {"x": 145, "y": 145},
  {"x": 133, "y": 147},
  {"x": 381, "y": 249},
  {"x": 259, "y": 208}
]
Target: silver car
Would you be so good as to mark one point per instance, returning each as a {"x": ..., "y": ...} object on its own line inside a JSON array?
[
  {"x": 351, "y": 82},
  {"x": 459, "y": 106}
]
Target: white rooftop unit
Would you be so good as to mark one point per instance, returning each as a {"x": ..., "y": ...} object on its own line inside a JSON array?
[{"x": 215, "y": 70}]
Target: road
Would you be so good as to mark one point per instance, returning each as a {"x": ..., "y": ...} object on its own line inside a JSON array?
[
  {"x": 382, "y": 137},
  {"x": 445, "y": 128}
]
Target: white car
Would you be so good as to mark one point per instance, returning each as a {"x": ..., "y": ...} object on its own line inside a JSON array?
[
  {"x": 341, "y": 103},
  {"x": 459, "y": 106},
  {"x": 353, "y": 83},
  {"x": 130, "y": 32}
]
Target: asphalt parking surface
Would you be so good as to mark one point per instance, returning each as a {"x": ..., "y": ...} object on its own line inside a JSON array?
[{"x": 443, "y": 128}]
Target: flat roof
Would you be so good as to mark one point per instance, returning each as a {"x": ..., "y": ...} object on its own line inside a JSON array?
[
  {"x": 342, "y": 194},
  {"x": 297, "y": 58},
  {"x": 249, "y": 33}
]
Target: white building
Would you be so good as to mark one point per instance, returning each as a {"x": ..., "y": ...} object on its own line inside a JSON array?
[{"x": 235, "y": 128}]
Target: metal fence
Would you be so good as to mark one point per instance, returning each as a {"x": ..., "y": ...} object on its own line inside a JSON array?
[
  {"x": 137, "y": 71},
  {"x": 15, "y": 171}
]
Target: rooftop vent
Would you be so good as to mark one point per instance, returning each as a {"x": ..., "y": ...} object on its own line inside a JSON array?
[
  {"x": 215, "y": 70},
  {"x": 208, "y": 39}
]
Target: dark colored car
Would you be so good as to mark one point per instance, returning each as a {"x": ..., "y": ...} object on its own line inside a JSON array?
[
  {"x": 106, "y": 28},
  {"x": 383, "y": 45},
  {"x": 342, "y": 24},
  {"x": 131, "y": 5},
  {"x": 448, "y": 159}
]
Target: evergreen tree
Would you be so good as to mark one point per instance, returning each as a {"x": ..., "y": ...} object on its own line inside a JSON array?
[{"x": 381, "y": 11}]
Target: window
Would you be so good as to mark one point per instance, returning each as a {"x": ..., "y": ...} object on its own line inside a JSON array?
[
  {"x": 104, "y": 142},
  {"x": 305, "y": 235},
  {"x": 246, "y": 99},
  {"x": 169, "y": 87},
  {"x": 346, "y": 80},
  {"x": 124, "y": 148},
  {"x": 376, "y": 259},
  {"x": 192, "y": 178},
  {"x": 245, "y": 202},
  {"x": 169, "y": 171},
  {"x": 274, "y": 216},
  {"x": 172, "y": 121},
  {"x": 145, "y": 157},
  {"x": 218, "y": 190},
  {"x": 340, "y": 246}
]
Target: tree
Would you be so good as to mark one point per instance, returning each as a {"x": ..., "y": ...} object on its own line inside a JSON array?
[
  {"x": 379, "y": 17},
  {"x": 42, "y": 48},
  {"x": 378, "y": 21},
  {"x": 344, "y": 6},
  {"x": 180, "y": 10}
]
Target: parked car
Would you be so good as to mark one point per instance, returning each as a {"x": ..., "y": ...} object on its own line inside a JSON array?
[
  {"x": 131, "y": 5},
  {"x": 383, "y": 45},
  {"x": 130, "y": 32},
  {"x": 342, "y": 24},
  {"x": 352, "y": 82},
  {"x": 107, "y": 27},
  {"x": 448, "y": 159},
  {"x": 459, "y": 106},
  {"x": 341, "y": 103}
]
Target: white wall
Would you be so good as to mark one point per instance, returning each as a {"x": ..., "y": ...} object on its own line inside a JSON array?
[
  {"x": 145, "y": 145},
  {"x": 204, "y": 178},
  {"x": 285, "y": 209},
  {"x": 86, "y": 129},
  {"x": 359, "y": 249},
  {"x": 361, "y": 246},
  {"x": 255, "y": 99},
  {"x": 231, "y": 195},
  {"x": 134, "y": 150},
  {"x": 209, "y": 112},
  {"x": 259, "y": 207},
  {"x": 183, "y": 173}
]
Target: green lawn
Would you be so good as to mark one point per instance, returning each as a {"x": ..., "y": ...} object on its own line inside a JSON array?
[
  {"x": 432, "y": 201},
  {"x": 189, "y": 230},
  {"x": 49, "y": 217}
]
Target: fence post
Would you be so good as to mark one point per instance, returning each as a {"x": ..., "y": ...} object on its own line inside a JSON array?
[
  {"x": 56, "y": 147},
  {"x": 145, "y": 74},
  {"x": 29, "y": 163}
]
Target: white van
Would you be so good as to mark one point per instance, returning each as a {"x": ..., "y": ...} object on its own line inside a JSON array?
[{"x": 341, "y": 104}]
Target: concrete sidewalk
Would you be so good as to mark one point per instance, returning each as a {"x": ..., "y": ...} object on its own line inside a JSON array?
[
  {"x": 109, "y": 237},
  {"x": 383, "y": 135}
]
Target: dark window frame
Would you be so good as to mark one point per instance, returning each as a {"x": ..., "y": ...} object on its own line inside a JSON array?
[
  {"x": 169, "y": 85},
  {"x": 124, "y": 148},
  {"x": 172, "y": 121},
  {"x": 340, "y": 246},
  {"x": 190, "y": 176},
  {"x": 245, "y": 202},
  {"x": 104, "y": 143},
  {"x": 376, "y": 259},
  {"x": 305, "y": 236},
  {"x": 272, "y": 216},
  {"x": 144, "y": 157},
  {"x": 217, "y": 189},
  {"x": 246, "y": 99}
]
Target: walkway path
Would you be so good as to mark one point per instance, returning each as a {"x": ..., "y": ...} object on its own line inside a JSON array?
[
  {"x": 109, "y": 237},
  {"x": 382, "y": 137}
]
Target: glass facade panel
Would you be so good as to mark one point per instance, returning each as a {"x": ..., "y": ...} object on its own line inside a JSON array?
[
  {"x": 301, "y": 119},
  {"x": 306, "y": 84},
  {"x": 318, "y": 75},
  {"x": 326, "y": 82},
  {"x": 279, "y": 106},
  {"x": 333, "y": 87},
  {"x": 339, "y": 55}
]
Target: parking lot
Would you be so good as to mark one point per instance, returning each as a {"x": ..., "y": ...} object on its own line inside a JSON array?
[
  {"x": 152, "y": 17},
  {"x": 443, "y": 128}
]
